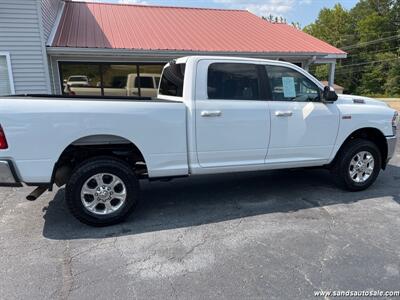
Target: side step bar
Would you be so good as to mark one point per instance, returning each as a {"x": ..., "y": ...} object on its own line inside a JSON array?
[{"x": 37, "y": 193}]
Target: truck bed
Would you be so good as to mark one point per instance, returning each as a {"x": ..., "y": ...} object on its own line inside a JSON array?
[
  {"x": 89, "y": 98},
  {"x": 47, "y": 125}
]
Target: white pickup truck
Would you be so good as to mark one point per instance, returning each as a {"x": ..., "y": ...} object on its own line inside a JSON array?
[{"x": 212, "y": 115}]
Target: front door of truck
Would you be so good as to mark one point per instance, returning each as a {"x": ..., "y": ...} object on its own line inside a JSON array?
[
  {"x": 303, "y": 128},
  {"x": 232, "y": 119}
]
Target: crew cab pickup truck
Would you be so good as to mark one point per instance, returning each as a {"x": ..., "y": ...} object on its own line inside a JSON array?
[{"x": 212, "y": 115}]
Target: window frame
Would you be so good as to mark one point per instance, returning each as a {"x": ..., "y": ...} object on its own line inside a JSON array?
[
  {"x": 261, "y": 75},
  {"x": 9, "y": 70},
  {"x": 100, "y": 65},
  {"x": 294, "y": 69}
]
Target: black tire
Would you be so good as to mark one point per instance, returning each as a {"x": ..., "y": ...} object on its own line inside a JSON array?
[
  {"x": 342, "y": 162},
  {"x": 94, "y": 166}
]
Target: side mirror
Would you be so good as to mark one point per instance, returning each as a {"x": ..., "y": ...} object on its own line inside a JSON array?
[{"x": 329, "y": 94}]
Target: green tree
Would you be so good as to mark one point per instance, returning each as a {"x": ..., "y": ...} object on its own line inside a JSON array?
[
  {"x": 375, "y": 75},
  {"x": 392, "y": 85},
  {"x": 332, "y": 25},
  {"x": 370, "y": 34}
]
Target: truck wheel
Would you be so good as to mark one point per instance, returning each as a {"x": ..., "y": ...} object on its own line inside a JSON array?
[
  {"x": 357, "y": 165},
  {"x": 102, "y": 191}
]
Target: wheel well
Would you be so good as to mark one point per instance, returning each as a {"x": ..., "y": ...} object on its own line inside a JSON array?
[
  {"x": 97, "y": 145},
  {"x": 374, "y": 135}
]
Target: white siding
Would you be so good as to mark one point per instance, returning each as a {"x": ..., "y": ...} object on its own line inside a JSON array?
[
  {"x": 50, "y": 9},
  {"x": 21, "y": 36},
  {"x": 51, "y": 13}
]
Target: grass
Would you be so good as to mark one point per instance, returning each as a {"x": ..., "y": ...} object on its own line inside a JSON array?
[
  {"x": 395, "y": 105},
  {"x": 389, "y": 99},
  {"x": 393, "y": 102}
]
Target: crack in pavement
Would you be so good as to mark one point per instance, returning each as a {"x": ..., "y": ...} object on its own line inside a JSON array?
[
  {"x": 308, "y": 280},
  {"x": 67, "y": 275},
  {"x": 194, "y": 247}
]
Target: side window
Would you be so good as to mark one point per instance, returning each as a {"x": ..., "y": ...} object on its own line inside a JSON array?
[
  {"x": 234, "y": 81},
  {"x": 172, "y": 80},
  {"x": 290, "y": 85}
]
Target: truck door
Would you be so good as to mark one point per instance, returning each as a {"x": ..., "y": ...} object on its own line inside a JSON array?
[
  {"x": 303, "y": 129},
  {"x": 232, "y": 118}
]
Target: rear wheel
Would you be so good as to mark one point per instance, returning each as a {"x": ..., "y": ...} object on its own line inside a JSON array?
[
  {"x": 102, "y": 191},
  {"x": 357, "y": 165}
]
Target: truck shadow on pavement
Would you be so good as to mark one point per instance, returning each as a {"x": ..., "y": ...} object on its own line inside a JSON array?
[{"x": 210, "y": 199}]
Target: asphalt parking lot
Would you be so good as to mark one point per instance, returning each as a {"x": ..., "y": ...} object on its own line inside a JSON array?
[{"x": 267, "y": 235}]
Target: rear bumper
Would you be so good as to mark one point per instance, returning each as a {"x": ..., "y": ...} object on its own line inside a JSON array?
[
  {"x": 391, "y": 142},
  {"x": 8, "y": 176}
]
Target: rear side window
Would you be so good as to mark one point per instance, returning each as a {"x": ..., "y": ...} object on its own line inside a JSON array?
[
  {"x": 145, "y": 82},
  {"x": 172, "y": 80},
  {"x": 233, "y": 81}
]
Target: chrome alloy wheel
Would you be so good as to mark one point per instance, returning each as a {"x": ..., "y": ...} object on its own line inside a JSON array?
[
  {"x": 103, "y": 194},
  {"x": 361, "y": 166}
]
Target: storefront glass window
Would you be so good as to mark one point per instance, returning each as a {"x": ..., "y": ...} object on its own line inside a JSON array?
[
  {"x": 80, "y": 79},
  {"x": 118, "y": 80},
  {"x": 149, "y": 79}
]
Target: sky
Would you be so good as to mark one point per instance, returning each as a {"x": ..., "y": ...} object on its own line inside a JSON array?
[{"x": 302, "y": 11}]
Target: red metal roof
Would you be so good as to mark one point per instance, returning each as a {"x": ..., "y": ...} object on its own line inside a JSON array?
[{"x": 142, "y": 27}]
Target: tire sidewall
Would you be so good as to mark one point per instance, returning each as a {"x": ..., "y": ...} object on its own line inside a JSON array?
[
  {"x": 87, "y": 170},
  {"x": 348, "y": 156}
]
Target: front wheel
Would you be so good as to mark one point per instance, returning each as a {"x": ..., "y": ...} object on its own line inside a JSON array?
[
  {"x": 357, "y": 165},
  {"x": 102, "y": 191}
]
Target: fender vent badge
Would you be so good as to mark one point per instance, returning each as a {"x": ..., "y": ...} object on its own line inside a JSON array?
[
  {"x": 358, "y": 101},
  {"x": 346, "y": 117}
]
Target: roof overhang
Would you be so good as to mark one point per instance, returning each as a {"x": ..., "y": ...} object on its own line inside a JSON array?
[{"x": 70, "y": 51}]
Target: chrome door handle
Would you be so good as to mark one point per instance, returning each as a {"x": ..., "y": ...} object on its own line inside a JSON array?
[
  {"x": 286, "y": 113},
  {"x": 211, "y": 113}
]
